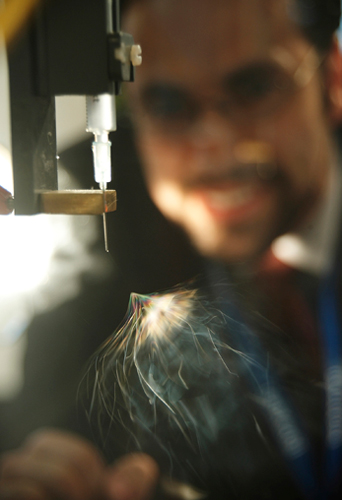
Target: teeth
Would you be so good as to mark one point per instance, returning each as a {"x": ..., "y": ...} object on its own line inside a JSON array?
[{"x": 232, "y": 198}]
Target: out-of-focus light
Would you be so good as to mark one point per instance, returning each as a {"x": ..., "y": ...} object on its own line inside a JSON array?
[
  {"x": 5, "y": 135},
  {"x": 25, "y": 253},
  {"x": 6, "y": 177},
  {"x": 42, "y": 261},
  {"x": 27, "y": 243}
]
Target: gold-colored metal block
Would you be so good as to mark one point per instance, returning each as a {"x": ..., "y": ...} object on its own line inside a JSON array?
[{"x": 79, "y": 202}]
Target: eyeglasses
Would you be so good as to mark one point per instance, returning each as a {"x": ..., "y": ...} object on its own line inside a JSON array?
[{"x": 250, "y": 93}]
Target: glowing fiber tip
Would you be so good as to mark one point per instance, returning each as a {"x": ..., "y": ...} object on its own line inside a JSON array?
[
  {"x": 168, "y": 350},
  {"x": 159, "y": 314}
]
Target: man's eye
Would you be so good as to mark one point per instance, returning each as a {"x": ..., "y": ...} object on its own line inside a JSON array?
[
  {"x": 167, "y": 103},
  {"x": 256, "y": 84}
]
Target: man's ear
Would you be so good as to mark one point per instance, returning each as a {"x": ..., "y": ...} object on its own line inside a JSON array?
[{"x": 333, "y": 83}]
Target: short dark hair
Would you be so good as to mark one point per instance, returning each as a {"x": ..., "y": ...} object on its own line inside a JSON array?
[{"x": 318, "y": 19}]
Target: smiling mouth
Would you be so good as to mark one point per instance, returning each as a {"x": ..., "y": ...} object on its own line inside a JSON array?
[
  {"x": 227, "y": 199},
  {"x": 235, "y": 202},
  {"x": 240, "y": 192}
]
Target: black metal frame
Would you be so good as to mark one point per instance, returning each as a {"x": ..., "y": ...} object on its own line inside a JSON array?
[{"x": 65, "y": 50}]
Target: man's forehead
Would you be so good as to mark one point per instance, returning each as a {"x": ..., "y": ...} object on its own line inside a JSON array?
[{"x": 212, "y": 32}]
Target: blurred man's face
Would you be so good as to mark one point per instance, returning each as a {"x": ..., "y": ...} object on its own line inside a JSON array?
[{"x": 231, "y": 121}]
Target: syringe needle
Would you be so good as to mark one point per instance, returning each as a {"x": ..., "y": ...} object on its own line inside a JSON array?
[
  {"x": 101, "y": 119},
  {"x": 104, "y": 219},
  {"x": 105, "y": 231}
]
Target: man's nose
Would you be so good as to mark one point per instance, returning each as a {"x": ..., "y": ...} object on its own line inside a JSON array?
[
  {"x": 223, "y": 143},
  {"x": 211, "y": 128},
  {"x": 214, "y": 137}
]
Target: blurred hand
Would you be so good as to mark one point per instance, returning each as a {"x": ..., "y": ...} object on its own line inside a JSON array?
[
  {"x": 4, "y": 197},
  {"x": 54, "y": 465}
]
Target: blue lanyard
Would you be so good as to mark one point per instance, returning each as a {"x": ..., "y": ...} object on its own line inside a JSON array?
[
  {"x": 287, "y": 428},
  {"x": 332, "y": 355}
]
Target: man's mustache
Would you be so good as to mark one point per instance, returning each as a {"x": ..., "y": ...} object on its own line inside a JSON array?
[{"x": 258, "y": 171}]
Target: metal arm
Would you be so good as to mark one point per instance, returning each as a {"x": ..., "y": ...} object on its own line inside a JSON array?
[{"x": 70, "y": 48}]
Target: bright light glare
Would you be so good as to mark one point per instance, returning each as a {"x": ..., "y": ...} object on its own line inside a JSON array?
[
  {"x": 27, "y": 244},
  {"x": 6, "y": 178},
  {"x": 25, "y": 253},
  {"x": 43, "y": 253}
]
